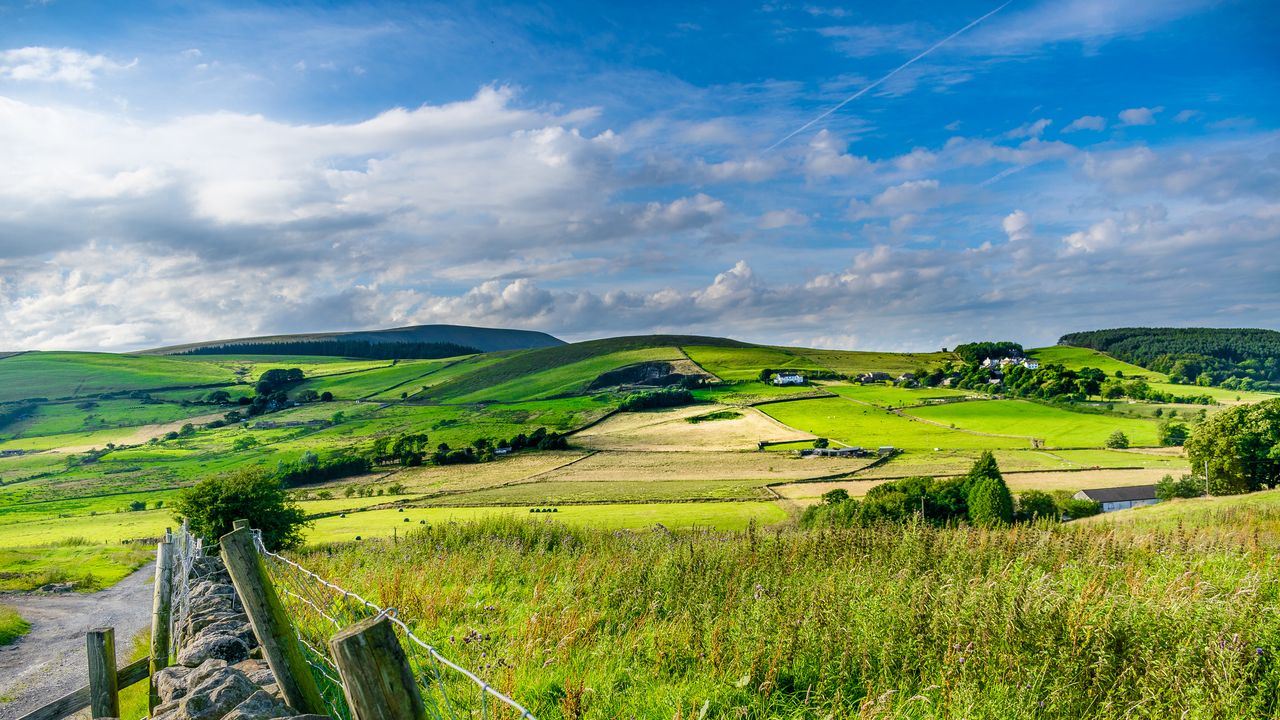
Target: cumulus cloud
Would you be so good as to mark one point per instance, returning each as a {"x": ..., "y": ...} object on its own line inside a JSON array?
[
  {"x": 1086, "y": 122},
  {"x": 1017, "y": 226},
  {"x": 56, "y": 65},
  {"x": 912, "y": 196},
  {"x": 1139, "y": 116}
]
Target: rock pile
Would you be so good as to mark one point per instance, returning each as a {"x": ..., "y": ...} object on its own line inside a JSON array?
[{"x": 219, "y": 673}]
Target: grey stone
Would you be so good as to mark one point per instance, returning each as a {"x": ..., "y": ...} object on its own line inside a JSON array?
[
  {"x": 259, "y": 706},
  {"x": 217, "y": 646},
  {"x": 220, "y": 692},
  {"x": 258, "y": 672},
  {"x": 171, "y": 682}
]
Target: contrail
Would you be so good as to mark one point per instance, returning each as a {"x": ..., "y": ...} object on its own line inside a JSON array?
[{"x": 890, "y": 74}]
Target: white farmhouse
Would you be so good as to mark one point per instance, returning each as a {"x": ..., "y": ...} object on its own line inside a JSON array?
[{"x": 788, "y": 379}]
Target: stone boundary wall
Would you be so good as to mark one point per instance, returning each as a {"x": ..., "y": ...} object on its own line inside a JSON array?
[{"x": 218, "y": 673}]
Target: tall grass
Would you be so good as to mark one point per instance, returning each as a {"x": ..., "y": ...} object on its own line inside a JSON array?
[{"x": 893, "y": 621}]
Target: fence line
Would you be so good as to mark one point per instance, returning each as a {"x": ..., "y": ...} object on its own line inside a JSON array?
[
  {"x": 320, "y": 608},
  {"x": 186, "y": 549}
]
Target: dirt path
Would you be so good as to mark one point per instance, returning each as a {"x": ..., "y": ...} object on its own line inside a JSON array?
[{"x": 50, "y": 661}]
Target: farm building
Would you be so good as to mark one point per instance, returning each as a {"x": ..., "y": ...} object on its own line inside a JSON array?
[
  {"x": 1120, "y": 498},
  {"x": 873, "y": 377},
  {"x": 833, "y": 452},
  {"x": 788, "y": 379}
]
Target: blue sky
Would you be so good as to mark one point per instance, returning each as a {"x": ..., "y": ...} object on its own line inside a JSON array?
[{"x": 183, "y": 171}]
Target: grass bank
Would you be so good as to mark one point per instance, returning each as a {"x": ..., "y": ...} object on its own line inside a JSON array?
[{"x": 12, "y": 625}]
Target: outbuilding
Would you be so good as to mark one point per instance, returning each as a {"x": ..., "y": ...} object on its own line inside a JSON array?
[{"x": 1120, "y": 498}]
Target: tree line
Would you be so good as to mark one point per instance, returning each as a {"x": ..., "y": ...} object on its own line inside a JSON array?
[
  {"x": 1233, "y": 358},
  {"x": 340, "y": 348}
]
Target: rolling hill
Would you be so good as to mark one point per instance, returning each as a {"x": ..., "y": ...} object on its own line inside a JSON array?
[{"x": 462, "y": 336}]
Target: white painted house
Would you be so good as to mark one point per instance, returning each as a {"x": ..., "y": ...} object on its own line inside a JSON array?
[{"x": 785, "y": 379}]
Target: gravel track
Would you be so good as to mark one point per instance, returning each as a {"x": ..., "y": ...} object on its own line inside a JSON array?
[{"x": 50, "y": 661}]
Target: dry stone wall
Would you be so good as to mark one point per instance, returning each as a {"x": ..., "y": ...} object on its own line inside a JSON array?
[{"x": 219, "y": 673}]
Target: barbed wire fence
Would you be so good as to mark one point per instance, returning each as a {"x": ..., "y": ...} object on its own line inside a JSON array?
[{"x": 319, "y": 608}]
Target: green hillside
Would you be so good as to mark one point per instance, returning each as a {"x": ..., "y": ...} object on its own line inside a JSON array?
[
  {"x": 57, "y": 375},
  {"x": 424, "y": 336}
]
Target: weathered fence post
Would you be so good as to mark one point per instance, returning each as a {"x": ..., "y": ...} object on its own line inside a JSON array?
[
  {"x": 104, "y": 683},
  {"x": 240, "y": 525},
  {"x": 160, "y": 607},
  {"x": 376, "y": 677},
  {"x": 271, "y": 624}
]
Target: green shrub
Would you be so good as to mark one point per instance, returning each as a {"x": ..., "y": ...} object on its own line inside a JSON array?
[
  {"x": 1117, "y": 440},
  {"x": 211, "y": 505},
  {"x": 1186, "y": 486}
]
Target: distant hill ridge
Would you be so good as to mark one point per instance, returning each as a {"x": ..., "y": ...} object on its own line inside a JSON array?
[{"x": 425, "y": 340}]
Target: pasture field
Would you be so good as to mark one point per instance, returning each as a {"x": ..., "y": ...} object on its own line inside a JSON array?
[
  {"x": 734, "y": 364},
  {"x": 571, "y": 378},
  {"x": 612, "y": 516},
  {"x": 1057, "y": 427},
  {"x": 377, "y": 382},
  {"x": 248, "y": 368},
  {"x": 1221, "y": 395},
  {"x": 892, "y": 397},
  {"x": 78, "y": 374},
  {"x": 854, "y": 362},
  {"x": 864, "y": 426},
  {"x": 1076, "y": 358},
  {"x": 752, "y": 392},
  {"x": 57, "y": 418},
  {"x": 520, "y": 466},
  {"x": 670, "y": 430}
]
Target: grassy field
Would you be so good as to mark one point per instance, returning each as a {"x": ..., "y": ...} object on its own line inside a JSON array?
[
  {"x": 382, "y": 382},
  {"x": 70, "y": 559},
  {"x": 75, "y": 374},
  {"x": 1259, "y": 510},
  {"x": 890, "y": 396},
  {"x": 1075, "y": 358},
  {"x": 887, "y": 622},
  {"x": 1057, "y": 427},
  {"x": 742, "y": 363},
  {"x": 859, "y": 425},
  {"x": 853, "y": 362}
]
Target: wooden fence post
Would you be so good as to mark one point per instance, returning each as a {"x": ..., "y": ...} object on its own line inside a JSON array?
[
  {"x": 240, "y": 525},
  {"x": 271, "y": 624},
  {"x": 376, "y": 677},
  {"x": 161, "y": 603},
  {"x": 104, "y": 683}
]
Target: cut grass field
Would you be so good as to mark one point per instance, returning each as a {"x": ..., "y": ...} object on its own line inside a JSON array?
[
  {"x": 613, "y": 516},
  {"x": 860, "y": 425},
  {"x": 1057, "y": 427},
  {"x": 1018, "y": 482},
  {"x": 670, "y": 430}
]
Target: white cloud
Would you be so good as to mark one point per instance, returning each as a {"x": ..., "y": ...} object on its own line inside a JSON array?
[
  {"x": 1030, "y": 130},
  {"x": 912, "y": 196},
  {"x": 786, "y": 217},
  {"x": 1187, "y": 116},
  {"x": 1086, "y": 122},
  {"x": 826, "y": 157},
  {"x": 56, "y": 65},
  {"x": 1139, "y": 116},
  {"x": 1017, "y": 226}
]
